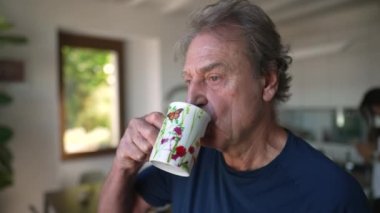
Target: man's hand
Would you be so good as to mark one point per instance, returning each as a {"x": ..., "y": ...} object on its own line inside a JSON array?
[
  {"x": 117, "y": 194},
  {"x": 137, "y": 143}
]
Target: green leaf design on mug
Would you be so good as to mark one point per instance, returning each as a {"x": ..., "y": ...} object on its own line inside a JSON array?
[
  {"x": 200, "y": 114},
  {"x": 185, "y": 166}
]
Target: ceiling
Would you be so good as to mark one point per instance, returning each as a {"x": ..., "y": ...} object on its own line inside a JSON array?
[
  {"x": 285, "y": 13},
  {"x": 280, "y": 11},
  {"x": 169, "y": 7}
]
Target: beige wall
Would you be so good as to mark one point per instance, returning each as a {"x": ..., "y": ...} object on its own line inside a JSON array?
[
  {"x": 335, "y": 79},
  {"x": 34, "y": 114}
]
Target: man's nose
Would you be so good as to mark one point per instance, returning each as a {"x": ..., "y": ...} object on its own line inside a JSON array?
[{"x": 196, "y": 94}]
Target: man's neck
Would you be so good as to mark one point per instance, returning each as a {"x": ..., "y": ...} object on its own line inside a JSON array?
[{"x": 264, "y": 145}]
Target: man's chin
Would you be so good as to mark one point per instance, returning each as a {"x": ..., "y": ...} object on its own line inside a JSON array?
[
  {"x": 205, "y": 142},
  {"x": 208, "y": 141},
  {"x": 209, "y": 138}
]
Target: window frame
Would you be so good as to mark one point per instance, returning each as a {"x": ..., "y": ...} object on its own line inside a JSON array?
[{"x": 66, "y": 38}]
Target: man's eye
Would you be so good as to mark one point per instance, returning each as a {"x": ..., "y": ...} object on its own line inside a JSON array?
[{"x": 214, "y": 78}]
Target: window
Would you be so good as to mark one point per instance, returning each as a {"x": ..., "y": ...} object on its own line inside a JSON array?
[{"x": 91, "y": 104}]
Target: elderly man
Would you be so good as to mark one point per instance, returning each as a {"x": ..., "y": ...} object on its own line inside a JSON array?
[{"x": 235, "y": 69}]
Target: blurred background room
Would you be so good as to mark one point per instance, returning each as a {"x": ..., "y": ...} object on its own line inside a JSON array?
[{"x": 114, "y": 59}]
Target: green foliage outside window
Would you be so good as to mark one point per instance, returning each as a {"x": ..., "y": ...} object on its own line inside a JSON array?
[{"x": 84, "y": 77}]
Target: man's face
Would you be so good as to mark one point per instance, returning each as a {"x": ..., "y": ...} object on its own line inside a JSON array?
[{"x": 221, "y": 80}]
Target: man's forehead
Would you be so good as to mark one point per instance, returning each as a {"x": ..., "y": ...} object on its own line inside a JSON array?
[
  {"x": 215, "y": 47},
  {"x": 225, "y": 32},
  {"x": 205, "y": 51},
  {"x": 211, "y": 43}
]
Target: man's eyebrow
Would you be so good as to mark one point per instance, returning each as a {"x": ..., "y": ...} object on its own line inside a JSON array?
[
  {"x": 211, "y": 66},
  {"x": 208, "y": 67}
]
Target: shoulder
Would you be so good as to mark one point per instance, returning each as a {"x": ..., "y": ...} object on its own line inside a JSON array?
[
  {"x": 320, "y": 177},
  {"x": 304, "y": 161}
]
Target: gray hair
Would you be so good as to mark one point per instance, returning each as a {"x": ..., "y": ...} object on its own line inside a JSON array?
[{"x": 264, "y": 43}]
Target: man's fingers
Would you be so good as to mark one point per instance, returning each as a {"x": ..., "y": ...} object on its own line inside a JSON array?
[
  {"x": 142, "y": 144},
  {"x": 134, "y": 152},
  {"x": 144, "y": 132},
  {"x": 155, "y": 118},
  {"x": 126, "y": 148},
  {"x": 138, "y": 140},
  {"x": 149, "y": 133}
]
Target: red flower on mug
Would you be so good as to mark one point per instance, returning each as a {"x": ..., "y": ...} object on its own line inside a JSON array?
[
  {"x": 180, "y": 151},
  {"x": 191, "y": 149}
]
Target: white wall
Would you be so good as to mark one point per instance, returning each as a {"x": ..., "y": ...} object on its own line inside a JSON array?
[
  {"x": 171, "y": 69},
  {"x": 338, "y": 55},
  {"x": 34, "y": 114}
]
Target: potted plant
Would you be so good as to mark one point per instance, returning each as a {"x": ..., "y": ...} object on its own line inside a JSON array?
[
  {"x": 9, "y": 38},
  {"x": 6, "y": 172}
]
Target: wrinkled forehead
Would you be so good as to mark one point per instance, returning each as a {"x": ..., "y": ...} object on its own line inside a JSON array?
[
  {"x": 224, "y": 37},
  {"x": 220, "y": 45},
  {"x": 228, "y": 32}
]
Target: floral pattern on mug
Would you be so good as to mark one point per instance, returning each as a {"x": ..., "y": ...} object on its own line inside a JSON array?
[
  {"x": 175, "y": 135},
  {"x": 175, "y": 144}
]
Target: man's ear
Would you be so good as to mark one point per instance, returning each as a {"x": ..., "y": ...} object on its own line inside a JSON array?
[{"x": 271, "y": 82}]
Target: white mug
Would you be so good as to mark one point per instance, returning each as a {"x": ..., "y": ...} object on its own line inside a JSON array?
[{"x": 178, "y": 142}]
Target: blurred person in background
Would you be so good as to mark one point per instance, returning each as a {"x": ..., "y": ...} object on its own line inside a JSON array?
[{"x": 370, "y": 149}]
